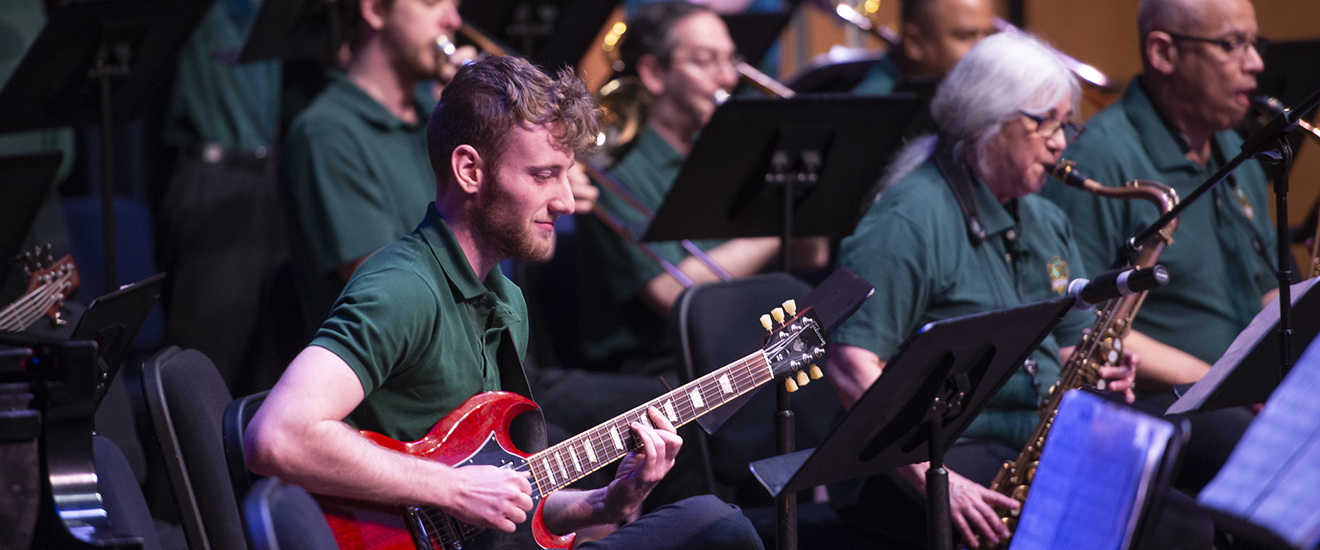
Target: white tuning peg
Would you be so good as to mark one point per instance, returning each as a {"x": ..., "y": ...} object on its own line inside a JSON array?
[
  {"x": 816, "y": 374},
  {"x": 790, "y": 306},
  {"x": 803, "y": 379},
  {"x": 765, "y": 322},
  {"x": 778, "y": 314},
  {"x": 790, "y": 385}
]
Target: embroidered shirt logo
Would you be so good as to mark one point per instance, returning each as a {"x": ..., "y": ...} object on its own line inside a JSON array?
[
  {"x": 1058, "y": 275},
  {"x": 1244, "y": 202}
]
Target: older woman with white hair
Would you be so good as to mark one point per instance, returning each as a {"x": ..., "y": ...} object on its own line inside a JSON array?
[{"x": 959, "y": 230}]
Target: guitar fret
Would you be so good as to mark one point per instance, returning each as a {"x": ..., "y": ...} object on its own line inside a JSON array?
[{"x": 612, "y": 439}]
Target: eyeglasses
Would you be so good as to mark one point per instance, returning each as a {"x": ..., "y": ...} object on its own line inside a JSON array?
[
  {"x": 710, "y": 62},
  {"x": 1046, "y": 127},
  {"x": 1235, "y": 45}
]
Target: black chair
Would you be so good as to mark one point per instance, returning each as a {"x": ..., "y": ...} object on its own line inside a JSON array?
[
  {"x": 717, "y": 323},
  {"x": 237, "y": 415},
  {"x": 121, "y": 496},
  {"x": 285, "y": 517},
  {"x": 186, "y": 398}
]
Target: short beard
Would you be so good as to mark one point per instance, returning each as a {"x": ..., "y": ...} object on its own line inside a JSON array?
[{"x": 498, "y": 229}]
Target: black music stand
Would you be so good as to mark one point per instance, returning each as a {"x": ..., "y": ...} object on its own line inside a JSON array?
[
  {"x": 930, "y": 391},
  {"x": 1249, "y": 370},
  {"x": 98, "y": 63},
  {"x": 550, "y": 33},
  {"x": 824, "y": 153},
  {"x": 28, "y": 180},
  {"x": 763, "y": 165},
  {"x": 1266, "y": 490},
  {"x": 113, "y": 321}
]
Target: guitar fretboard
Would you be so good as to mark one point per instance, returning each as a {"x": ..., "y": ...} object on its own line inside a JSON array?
[{"x": 572, "y": 459}]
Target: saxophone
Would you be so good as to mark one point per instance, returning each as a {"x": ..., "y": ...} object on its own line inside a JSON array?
[{"x": 1104, "y": 344}]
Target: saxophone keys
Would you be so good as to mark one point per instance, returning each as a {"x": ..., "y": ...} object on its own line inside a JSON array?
[
  {"x": 1031, "y": 473},
  {"x": 1112, "y": 358},
  {"x": 1020, "y": 493}
]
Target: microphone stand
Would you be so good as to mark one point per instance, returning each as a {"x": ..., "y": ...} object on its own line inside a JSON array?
[{"x": 1270, "y": 145}]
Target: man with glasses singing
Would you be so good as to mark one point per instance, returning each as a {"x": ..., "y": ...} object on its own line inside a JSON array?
[{"x": 1172, "y": 125}]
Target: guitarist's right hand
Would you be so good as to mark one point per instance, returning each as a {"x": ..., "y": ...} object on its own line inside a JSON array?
[{"x": 488, "y": 496}]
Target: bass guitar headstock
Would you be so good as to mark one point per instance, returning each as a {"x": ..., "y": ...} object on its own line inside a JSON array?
[{"x": 794, "y": 348}]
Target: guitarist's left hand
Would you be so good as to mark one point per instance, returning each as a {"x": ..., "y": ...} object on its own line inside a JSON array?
[
  {"x": 641, "y": 469},
  {"x": 638, "y": 473}
]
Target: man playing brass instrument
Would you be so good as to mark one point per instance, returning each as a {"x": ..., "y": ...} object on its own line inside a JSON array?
[
  {"x": 1005, "y": 109},
  {"x": 683, "y": 55},
  {"x": 1172, "y": 125}
]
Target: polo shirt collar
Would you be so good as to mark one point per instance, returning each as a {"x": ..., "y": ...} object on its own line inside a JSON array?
[
  {"x": 435, "y": 231},
  {"x": 362, "y": 104},
  {"x": 1166, "y": 147},
  {"x": 994, "y": 217}
]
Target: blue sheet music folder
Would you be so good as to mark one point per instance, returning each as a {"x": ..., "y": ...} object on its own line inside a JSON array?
[{"x": 1098, "y": 464}]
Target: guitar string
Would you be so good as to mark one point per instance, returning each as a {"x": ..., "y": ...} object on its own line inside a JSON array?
[
  {"x": 43, "y": 297},
  {"x": 741, "y": 375}
]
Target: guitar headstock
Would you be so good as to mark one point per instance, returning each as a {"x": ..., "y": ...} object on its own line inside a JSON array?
[
  {"x": 49, "y": 283},
  {"x": 796, "y": 346}
]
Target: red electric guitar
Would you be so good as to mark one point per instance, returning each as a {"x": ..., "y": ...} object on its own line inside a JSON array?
[
  {"x": 477, "y": 433},
  {"x": 47, "y": 289}
]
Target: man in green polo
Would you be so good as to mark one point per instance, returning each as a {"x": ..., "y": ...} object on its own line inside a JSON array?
[
  {"x": 354, "y": 173},
  {"x": 1173, "y": 125},
  {"x": 430, "y": 321}
]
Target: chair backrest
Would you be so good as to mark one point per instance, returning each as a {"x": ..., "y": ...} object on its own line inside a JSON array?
[
  {"x": 285, "y": 517},
  {"x": 717, "y": 323},
  {"x": 186, "y": 398},
  {"x": 121, "y": 496},
  {"x": 237, "y": 415}
]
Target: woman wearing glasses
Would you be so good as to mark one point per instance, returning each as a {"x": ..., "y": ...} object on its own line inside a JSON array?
[{"x": 1005, "y": 109}]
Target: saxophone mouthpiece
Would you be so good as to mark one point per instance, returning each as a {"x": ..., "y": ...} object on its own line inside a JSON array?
[{"x": 1066, "y": 171}]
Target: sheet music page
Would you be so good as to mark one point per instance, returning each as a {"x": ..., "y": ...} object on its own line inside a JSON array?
[
  {"x": 1093, "y": 476},
  {"x": 1271, "y": 477}
]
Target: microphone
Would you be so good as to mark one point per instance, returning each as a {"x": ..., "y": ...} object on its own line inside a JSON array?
[{"x": 1115, "y": 283}]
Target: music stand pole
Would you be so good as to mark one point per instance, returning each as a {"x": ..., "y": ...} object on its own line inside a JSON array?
[
  {"x": 939, "y": 523},
  {"x": 105, "y": 70}
]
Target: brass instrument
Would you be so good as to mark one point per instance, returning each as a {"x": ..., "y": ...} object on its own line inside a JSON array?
[{"x": 1104, "y": 344}]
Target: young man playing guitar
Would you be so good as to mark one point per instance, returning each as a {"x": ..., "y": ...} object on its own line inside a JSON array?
[{"x": 429, "y": 321}]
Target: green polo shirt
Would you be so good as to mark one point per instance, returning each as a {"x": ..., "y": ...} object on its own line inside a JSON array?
[
  {"x": 423, "y": 332},
  {"x": 883, "y": 77},
  {"x": 354, "y": 178},
  {"x": 611, "y": 272},
  {"x": 215, "y": 98},
  {"x": 1217, "y": 275},
  {"x": 914, "y": 247}
]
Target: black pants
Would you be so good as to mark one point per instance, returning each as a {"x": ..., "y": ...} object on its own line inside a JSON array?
[
  {"x": 220, "y": 231},
  {"x": 1214, "y": 435},
  {"x": 697, "y": 523}
]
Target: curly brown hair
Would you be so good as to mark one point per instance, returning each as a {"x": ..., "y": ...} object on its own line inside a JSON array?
[{"x": 486, "y": 99}]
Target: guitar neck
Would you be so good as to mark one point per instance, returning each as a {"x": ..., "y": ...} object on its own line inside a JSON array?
[{"x": 574, "y": 458}]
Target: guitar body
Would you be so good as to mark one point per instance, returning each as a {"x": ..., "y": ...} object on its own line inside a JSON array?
[{"x": 475, "y": 433}]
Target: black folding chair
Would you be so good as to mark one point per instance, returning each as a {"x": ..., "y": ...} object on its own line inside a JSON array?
[
  {"x": 285, "y": 517},
  {"x": 187, "y": 398}
]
